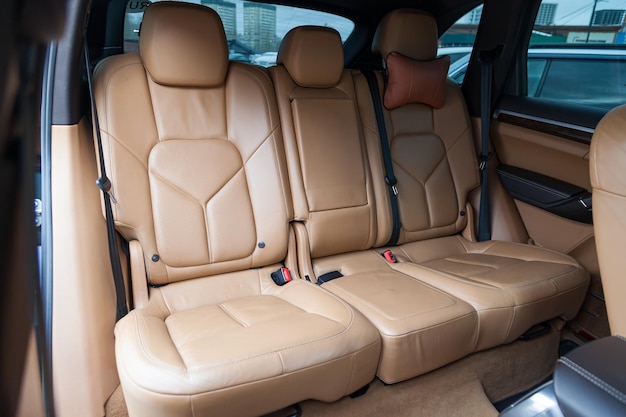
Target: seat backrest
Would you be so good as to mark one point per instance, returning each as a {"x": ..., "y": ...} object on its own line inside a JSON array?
[
  {"x": 328, "y": 163},
  {"x": 193, "y": 148},
  {"x": 428, "y": 127},
  {"x": 608, "y": 179}
]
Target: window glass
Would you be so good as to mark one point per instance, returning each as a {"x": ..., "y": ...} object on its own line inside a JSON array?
[
  {"x": 577, "y": 52},
  {"x": 458, "y": 42},
  {"x": 253, "y": 30},
  {"x": 536, "y": 69}
]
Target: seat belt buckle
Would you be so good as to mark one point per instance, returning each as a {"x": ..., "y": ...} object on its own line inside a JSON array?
[
  {"x": 389, "y": 256},
  {"x": 329, "y": 276},
  {"x": 482, "y": 160},
  {"x": 281, "y": 276}
]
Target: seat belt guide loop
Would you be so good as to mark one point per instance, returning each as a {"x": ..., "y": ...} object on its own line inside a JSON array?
[
  {"x": 104, "y": 184},
  {"x": 482, "y": 159}
]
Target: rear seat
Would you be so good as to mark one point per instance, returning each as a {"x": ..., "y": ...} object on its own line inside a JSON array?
[
  {"x": 422, "y": 327},
  {"x": 194, "y": 150},
  {"x": 342, "y": 210},
  {"x": 512, "y": 286}
]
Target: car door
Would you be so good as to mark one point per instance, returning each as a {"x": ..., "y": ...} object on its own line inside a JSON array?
[{"x": 542, "y": 144}]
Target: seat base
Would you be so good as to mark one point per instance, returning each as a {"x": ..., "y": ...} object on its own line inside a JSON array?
[{"x": 196, "y": 346}]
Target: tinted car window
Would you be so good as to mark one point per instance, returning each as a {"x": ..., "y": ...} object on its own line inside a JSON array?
[
  {"x": 253, "y": 30},
  {"x": 457, "y": 42},
  {"x": 599, "y": 83},
  {"x": 536, "y": 69},
  {"x": 586, "y": 60}
]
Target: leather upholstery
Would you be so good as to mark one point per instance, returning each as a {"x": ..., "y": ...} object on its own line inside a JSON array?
[
  {"x": 608, "y": 153},
  {"x": 422, "y": 327},
  {"x": 435, "y": 164},
  {"x": 207, "y": 198},
  {"x": 511, "y": 286},
  {"x": 330, "y": 182},
  {"x": 392, "y": 35},
  {"x": 589, "y": 381},
  {"x": 182, "y": 58},
  {"x": 333, "y": 198},
  {"x": 312, "y": 55},
  {"x": 266, "y": 347},
  {"x": 180, "y": 163}
]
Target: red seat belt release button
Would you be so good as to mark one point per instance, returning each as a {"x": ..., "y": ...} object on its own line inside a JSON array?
[
  {"x": 282, "y": 276},
  {"x": 389, "y": 256}
]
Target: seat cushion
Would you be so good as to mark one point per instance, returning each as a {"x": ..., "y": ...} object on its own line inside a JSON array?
[
  {"x": 512, "y": 286},
  {"x": 199, "y": 339},
  {"x": 422, "y": 327}
]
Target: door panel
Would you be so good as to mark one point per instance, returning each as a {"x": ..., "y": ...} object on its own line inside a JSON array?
[
  {"x": 559, "y": 158},
  {"x": 84, "y": 295},
  {"x": 551, "y": 161}
]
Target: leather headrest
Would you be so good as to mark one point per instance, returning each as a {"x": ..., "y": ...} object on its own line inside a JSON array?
[
  {"x": 183, "y": 45},
  {"x": 313, "y": 56},
  {"x": 412, "y": 33}
]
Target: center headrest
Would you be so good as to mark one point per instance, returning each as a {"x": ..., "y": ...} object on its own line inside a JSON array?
[
  {"x": 312, "y": 55},
  {"x": 183, "y": 44},
  {"x": 412, "y": 33}
]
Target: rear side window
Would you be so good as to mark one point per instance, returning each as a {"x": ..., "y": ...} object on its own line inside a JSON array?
[
  {"x": 253, "y": 30},
  {"x": 458, "y": 42},
  {"x": 577, "y": 53}
]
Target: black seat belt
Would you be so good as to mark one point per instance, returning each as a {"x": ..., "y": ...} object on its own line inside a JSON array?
[
  {"x": 105, "y": 185},
  {"x": 390, "y": 178},
  {"x": 486, "y": 58}
]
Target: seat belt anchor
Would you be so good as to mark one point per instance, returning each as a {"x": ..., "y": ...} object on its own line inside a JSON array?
[{"x": 482, "y": 160}]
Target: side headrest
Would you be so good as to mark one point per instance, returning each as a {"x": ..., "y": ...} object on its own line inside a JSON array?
[
  {"x": 183, "y": 44},
  {"x": 312, "y": 55},
  {"x": 412, "y": 33}
]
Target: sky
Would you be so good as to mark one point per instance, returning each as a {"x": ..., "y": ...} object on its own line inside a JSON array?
[{"x": 578, "y": 12}]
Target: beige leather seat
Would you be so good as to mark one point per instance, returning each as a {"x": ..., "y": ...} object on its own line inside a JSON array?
[
  {"x": 608, "y": 179},
  {"x": 512, "y": 286},
  {"x": 336, "y": 214},
  {"x": 194, "y": 150}
]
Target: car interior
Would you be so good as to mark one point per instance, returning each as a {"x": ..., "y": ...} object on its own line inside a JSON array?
[{"x": 330, "y": 225}]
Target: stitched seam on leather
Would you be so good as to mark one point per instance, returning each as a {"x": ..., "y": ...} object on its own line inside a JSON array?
[
  {"x": 431, "y": 327},
  {"x": 175, "y": 187},
  {"x": 455, "y": 277},
  {"x": 545, "y": 280},
  {"x": 609, "y": 389},
  {"x": 276, "y": 350},
  {"x": 255, "y": 150},
  {"x": 347, "y": 306},
  {"x": 475, "y": 263},
  {"x": 382, "y": 313},
  {"x": 148, "y": 353},
  {"x": 119, "y": 142},
  {"x": 232, "y": 316}
]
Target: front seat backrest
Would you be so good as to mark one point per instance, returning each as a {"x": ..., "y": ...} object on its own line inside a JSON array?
[{"x": 608, "y": 179}]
